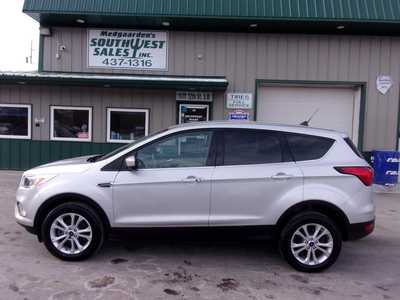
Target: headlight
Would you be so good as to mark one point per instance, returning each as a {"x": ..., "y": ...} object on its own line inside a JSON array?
[{"x": 35, "y": 180}]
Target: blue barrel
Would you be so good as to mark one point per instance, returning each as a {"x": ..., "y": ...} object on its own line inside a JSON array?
[{"x": 386, "y": 167}]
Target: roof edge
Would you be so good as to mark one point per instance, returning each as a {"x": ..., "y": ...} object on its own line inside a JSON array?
[{"x": 114, "y": 80}]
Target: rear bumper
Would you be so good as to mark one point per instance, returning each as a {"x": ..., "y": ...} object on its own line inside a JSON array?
[{"x": 359, "y": 230}]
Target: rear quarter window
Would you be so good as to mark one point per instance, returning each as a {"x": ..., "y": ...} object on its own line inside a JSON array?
[{"x": 308, "y": 147}]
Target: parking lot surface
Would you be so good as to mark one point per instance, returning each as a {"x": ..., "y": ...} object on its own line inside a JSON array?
[{"x": 366, "y": 269}]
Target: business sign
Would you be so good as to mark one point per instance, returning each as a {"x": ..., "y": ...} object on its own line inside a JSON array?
[
  {"x": 194, "y": 96},
  {"x": 189, "y": 113},
  {"x": 383, "y": 84},
  {"x": 239, "y": 115},
  {"x": 239, "y": 101},
  {"x": 386, "y": 167},
  {"x": 127, "y": 49}
]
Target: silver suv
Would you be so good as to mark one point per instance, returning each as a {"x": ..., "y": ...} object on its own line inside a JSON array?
[{"x": 308, "y": 188}]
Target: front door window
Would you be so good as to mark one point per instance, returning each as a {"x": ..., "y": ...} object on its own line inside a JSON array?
[
  {"x": 189, "y": 113},
  {"x": 190, "y": 149}
]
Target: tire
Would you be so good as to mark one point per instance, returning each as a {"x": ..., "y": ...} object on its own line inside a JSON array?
[
  {"x": 73, "y": 243},
  {"x": 325, "y": 247}
]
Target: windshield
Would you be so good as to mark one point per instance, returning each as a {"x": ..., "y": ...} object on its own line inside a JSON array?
[{"x": 120, "y": 149}]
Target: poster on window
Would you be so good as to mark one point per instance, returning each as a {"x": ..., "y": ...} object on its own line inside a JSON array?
[
  {"x": 193, "y": 113},
  {"x": 127, "y": 49}
]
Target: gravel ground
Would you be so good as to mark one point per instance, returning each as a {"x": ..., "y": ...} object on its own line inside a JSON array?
[{"x": 367, "y": 269}]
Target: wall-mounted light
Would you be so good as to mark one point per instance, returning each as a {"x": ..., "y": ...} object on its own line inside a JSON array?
[
  {"x": 80, "y": 21},
  {"x": 254, "y": 25},
  {"x": 340, "y": 27},
  {"x": 45, "y": 31},
  {"x": 39, "y": 121},
  {"x": 60, "y": 48},
  {"x": 166, "y": 23}
]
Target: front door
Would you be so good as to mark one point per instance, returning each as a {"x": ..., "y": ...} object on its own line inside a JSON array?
[
  {"x": 253, "y": 180},
  {"x": 171, "y": 186},
  {"x": 189, "y": 113}
]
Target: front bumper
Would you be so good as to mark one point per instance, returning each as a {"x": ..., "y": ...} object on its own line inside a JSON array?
[
  {"x": 22, "y": 220},
  {"x": 359, "y": 230},
  {"x": 30, "y": 229}
]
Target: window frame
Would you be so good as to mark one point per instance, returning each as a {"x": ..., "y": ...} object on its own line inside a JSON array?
[
  {"x": 286, "y": 154},
  {"x": 90, "y": 123},
  {"x": 20, "y": 137},
  {"x": 108, "y": 129}
]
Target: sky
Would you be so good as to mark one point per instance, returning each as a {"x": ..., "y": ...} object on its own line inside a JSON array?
[{"x": 17, "y": 30}]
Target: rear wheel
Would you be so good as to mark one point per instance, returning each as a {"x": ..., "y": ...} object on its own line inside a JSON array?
[
  {"x": 310, "y": 242},
  {"x": 72, "y": 231}
]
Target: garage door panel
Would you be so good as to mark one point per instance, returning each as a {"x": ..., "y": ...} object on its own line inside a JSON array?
[{"x": 336, "y": 108}]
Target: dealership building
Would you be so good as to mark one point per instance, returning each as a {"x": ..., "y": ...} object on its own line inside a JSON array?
[{"x": 111, "y": 72}]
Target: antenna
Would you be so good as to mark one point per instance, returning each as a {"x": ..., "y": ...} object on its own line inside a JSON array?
[{"x": 307, "y": 122}]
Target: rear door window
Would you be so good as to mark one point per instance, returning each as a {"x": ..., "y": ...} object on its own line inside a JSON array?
[
  {"x": 249, "y": 147},
  {"x": 308, "y": 147}
]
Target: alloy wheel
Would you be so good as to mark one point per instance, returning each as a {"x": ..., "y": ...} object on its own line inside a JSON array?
[
  {"x": 71, "y": 233},
  {"x": 312, "y": 244}
]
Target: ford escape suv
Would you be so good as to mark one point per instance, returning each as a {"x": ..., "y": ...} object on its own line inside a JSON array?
[{"x": 308, "y": 188}]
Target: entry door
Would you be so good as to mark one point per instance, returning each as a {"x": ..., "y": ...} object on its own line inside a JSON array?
[
  {"x": 189, "y": 113},
  {"x": 255, "y": 180},
  {"x": 171, "y": 186},
  {"x": 336, "y": 108}
]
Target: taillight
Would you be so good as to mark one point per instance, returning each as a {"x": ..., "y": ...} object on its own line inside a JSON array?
[{"x": 365, "y": 174}]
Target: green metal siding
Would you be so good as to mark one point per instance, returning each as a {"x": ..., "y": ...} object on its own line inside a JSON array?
[
  {"x": 25, "y": 154},
  {"x": 351, "y": 10}
]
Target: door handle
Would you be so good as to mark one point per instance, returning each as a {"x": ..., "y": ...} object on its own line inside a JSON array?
[
  {"x": 105, "y": 185},
  {"x": 281, "y": 176},
  {"x": 193, "y": 179}
]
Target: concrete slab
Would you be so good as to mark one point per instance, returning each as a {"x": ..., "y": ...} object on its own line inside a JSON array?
[{"x": 367, "y": 269}]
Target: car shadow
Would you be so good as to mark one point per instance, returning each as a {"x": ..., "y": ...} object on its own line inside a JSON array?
[{"x": 211, "y": 251}]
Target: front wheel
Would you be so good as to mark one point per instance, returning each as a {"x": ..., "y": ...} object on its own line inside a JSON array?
[
  {"x": 310, "y": 242},
  {"x": 72, "y": 231}
]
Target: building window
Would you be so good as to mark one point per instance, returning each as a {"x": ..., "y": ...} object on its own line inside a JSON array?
[
  {"x": 71, "y": 123},
  {"x": 15, "y": 121},
  {"x": 126, "y": 125}
]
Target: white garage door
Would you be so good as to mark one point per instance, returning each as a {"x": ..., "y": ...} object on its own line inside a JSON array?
[{"x": 336, "y": 107}]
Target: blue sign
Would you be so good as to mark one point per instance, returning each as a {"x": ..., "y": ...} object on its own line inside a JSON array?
[
  {"x": 386, "y": 167},
  {"x": 239, "y": 115}
]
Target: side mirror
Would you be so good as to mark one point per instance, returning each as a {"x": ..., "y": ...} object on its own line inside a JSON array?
[{"x": 130, "y": 162}]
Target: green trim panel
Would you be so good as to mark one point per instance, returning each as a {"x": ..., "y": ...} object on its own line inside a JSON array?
[
  {"x": 114, "y": 80},
  {"x": 327, "y": 10},
  {"x": 41, "y": 53},
  {"x": 22, "y": 155}
]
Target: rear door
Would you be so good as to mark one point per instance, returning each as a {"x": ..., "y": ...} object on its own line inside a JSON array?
[{"x": 255, "y": 172}]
